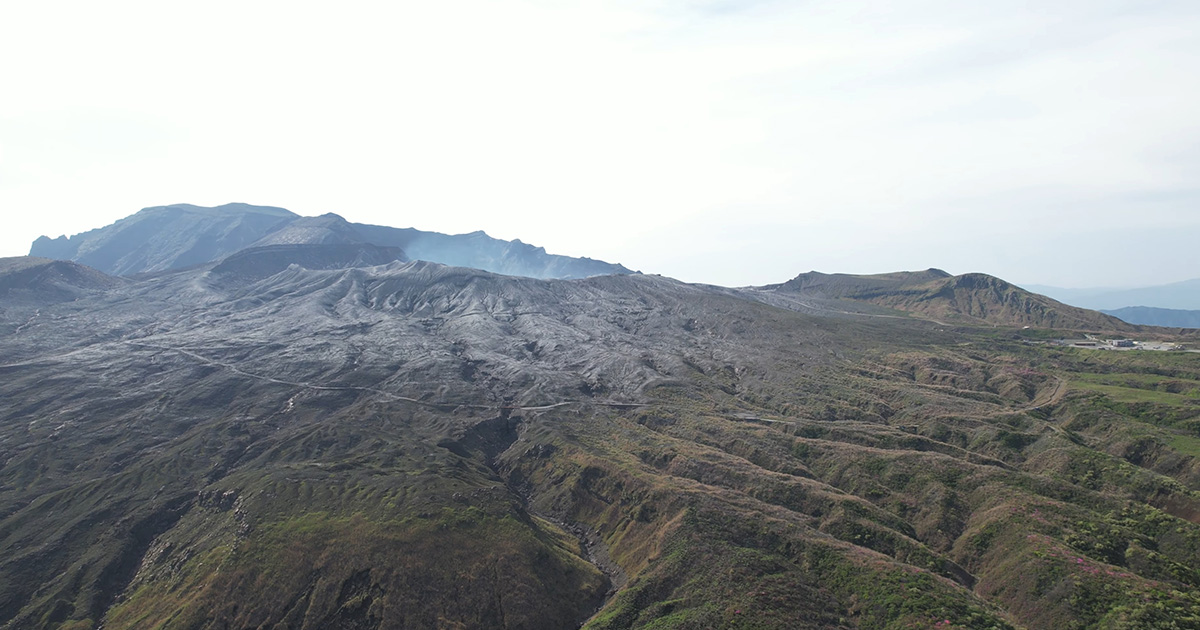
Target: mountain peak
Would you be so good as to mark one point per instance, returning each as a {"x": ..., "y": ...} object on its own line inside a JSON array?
[
  {"x": 162, "y": 238},
  {"x": 159, "y": 238}
]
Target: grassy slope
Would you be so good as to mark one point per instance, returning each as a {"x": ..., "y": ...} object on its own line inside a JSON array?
[
  {"x": 318, "y": 570},
  {"x": 888, "y": 520},
  {"x": 330, "y": 533}
]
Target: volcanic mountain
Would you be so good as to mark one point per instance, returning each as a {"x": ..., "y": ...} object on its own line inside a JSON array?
[
  {"x": 166, "y": 237},
  {"x": 172, "y": 237},
  {"x": 320, "y": 432}
]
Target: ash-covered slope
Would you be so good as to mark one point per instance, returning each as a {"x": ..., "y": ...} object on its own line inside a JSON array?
[
  {"x": 182, "y": 423},
  {"x": 974, "y": 298},
  {"x": 410, "y": 445},
  {"x": 173, "y": 237}
]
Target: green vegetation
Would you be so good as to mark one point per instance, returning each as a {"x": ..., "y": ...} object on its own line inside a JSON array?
[
  {"x": 1186, "y": 444},
  {"x": 1127, "y": 394},
  {"x": 470, "y": 567}
]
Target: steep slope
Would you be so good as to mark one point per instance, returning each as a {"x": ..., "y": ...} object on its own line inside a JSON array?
[
  {"x": 172, "y": 237},
  {"x": 969, "y": 298},
  {"x": 410, "y": 445},
  {"x": 166, "y": 237}
]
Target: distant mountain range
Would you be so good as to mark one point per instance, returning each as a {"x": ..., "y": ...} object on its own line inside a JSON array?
[
  {"x": 1175, "y": 305},
  {"x": 1177, "y": 295},
  {"x": 254, "y": 242},
  {"x": 1149, "y": 316},
  {"x": 162, "y": 238}
]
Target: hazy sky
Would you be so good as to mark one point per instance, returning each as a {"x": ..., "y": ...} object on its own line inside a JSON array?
[{"x": 1055, "y": 142}]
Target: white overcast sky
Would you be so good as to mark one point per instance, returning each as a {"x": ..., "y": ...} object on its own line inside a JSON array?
[{"x": 1053, "y": 142}]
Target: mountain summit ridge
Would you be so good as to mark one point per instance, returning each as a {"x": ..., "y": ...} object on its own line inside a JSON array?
[
  {"x": 975, "y": 298},
  {"x": 163, "y": 238},
  {"x": 160, "y": 238}
]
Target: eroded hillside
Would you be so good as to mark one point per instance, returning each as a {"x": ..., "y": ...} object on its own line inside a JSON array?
[{"x": 416, "y": 446}]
